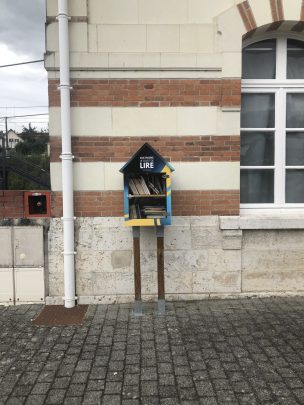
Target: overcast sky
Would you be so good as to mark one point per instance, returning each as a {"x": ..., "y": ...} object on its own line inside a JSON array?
[{"x": 22, "y": 39}]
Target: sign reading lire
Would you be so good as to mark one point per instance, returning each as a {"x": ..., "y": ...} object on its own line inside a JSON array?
[{"x": 146, "y": 162}]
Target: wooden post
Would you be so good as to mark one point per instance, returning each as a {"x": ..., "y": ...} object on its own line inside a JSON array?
[
  {"x": 137, "y": 277},
  {"x": 160, "y": 270}
]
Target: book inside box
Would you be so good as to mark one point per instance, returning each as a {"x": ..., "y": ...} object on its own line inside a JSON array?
[{"x": 147, "y": 194}]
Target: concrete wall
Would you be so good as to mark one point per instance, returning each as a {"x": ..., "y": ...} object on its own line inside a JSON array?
[
  {"x": 202, "y": 259},
  {"x": 22, "y": 264},
  {"x": 272, "y": 260},
  {"x": 139, "y": 33},
  {"x": 163, "y": 33}
]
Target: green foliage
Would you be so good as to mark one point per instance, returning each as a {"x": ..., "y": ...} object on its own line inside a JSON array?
[
  {"x": 33, "y": 142},
  {"x": 16, "y": 182},
  {"x": 31, "y": 157}
]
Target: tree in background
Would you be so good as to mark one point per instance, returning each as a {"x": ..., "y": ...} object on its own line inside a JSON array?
[
  {"x": 34, "y": 142},
  {"x": 32, "y": 155}
]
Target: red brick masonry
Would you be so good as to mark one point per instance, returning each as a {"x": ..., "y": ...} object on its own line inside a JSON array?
[
  {"x": 150, "y": 93},
  {"x": 177, "y": 148},
  {"x": 11, "y": 204},
  {"x": 277, "y": 10},
  {"x": 184, "y": 203},
  {"x": 247, "y": 15},
  {"x": 110, "y": 203}
]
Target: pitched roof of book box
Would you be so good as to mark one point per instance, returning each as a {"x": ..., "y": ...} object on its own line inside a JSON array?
[{"x": 143, "y": 157}]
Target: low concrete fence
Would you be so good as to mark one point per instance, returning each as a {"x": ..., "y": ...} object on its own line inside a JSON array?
[{"x": 22, "y": 264}]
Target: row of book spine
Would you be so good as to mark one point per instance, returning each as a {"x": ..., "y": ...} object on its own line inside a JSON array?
[
  {"x": 148, "y": 212},
  {"x": 149, "y": 186},
  {"x": 154, "y": 211}
]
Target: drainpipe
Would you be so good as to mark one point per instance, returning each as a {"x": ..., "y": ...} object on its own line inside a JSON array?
[{"x": 66, "y": 156}]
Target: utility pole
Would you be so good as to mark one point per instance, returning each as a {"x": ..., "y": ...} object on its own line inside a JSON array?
[
  {"x": 6, "y": 133},
  {"x": 3, "y": 183},
  {"x": 3, "y": 180}
]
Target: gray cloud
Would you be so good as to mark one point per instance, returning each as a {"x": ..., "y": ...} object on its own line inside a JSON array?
[
  {"x": 22, "y": 39},
  {"x": 24, "y": 85},
  {"x": 22, "y": 26}
]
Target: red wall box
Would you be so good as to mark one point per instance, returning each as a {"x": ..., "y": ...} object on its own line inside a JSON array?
[{"x": 37, "y": 204}]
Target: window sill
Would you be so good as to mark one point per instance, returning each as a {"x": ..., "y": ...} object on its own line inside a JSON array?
[{"x": 263, "y": 222}]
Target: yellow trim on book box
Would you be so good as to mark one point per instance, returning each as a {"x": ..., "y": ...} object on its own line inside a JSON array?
[
  {"x": 166, "y": 170},
  {"x": 140, "y": 222}
]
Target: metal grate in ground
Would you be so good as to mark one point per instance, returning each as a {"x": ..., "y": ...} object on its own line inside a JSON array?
[{"x": 58, "y": 315}]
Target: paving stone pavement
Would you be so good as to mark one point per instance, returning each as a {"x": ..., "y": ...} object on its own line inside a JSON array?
[{"x": 245, "y": 351}]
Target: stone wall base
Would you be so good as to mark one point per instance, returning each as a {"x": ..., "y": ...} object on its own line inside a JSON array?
[
  {"x": 127, "y": 299},
  {"x": 205, "y": 257}
]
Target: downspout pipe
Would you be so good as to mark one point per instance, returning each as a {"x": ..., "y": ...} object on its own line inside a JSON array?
[{"x": 66, "y": 156}]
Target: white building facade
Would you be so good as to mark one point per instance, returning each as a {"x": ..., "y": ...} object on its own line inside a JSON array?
[{"x": 171, "y": 73}]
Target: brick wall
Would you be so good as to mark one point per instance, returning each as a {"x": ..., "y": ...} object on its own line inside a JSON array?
[
  {"x": 150, "y": 93},
  {"x": 91, "y": 204},
  {"x": 179, "y": 148},
  {"x": 201, "y": 202},
  {"x": 247, "y": 15},
  {"x": 277, "y": 10},
  {"x": 11, "y": 204},
  {"x": 184, "y": 203}
]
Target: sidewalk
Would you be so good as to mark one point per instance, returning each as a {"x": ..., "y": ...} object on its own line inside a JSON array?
[{"x": 248, "y": 351}]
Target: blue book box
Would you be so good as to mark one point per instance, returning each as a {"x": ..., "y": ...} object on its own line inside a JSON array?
[{"x": 147, "y": 189}]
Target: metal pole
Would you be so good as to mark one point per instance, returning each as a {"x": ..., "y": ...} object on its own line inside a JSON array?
[
  {"x": 160, "y": 270},
  {"x": 137, "y": 277},
  {"x": 6, "y": 133},
  {"x": 3, "y": 180},
  {"x": 66, "y": 156}
]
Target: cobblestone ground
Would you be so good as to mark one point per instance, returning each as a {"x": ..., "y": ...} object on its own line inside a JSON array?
[{"x": 248, "y": 351}]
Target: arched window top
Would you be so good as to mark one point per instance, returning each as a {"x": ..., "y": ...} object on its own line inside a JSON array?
[
  {"x": 279, "y": 58},
  {"x": 259, "y": 60},
  {"x": 295, "y": 59}
]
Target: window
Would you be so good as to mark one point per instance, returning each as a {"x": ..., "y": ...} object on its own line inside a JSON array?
[{"x": 272, "y": 124}]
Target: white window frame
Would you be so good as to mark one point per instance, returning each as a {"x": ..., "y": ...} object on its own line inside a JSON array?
[{"x": 280, "y": 86}]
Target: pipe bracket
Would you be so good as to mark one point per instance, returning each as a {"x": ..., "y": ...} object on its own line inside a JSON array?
[
  {"x": 67, "y": 156},
  {"x": 63, "y": 15},
  {"x": 65, "y": 86}
]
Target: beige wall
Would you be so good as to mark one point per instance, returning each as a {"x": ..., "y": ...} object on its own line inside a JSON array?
[
  {"x": 145, "y": 34},
  {"x": 152, "y": 121},
  {"x": 100, "y": 176}
]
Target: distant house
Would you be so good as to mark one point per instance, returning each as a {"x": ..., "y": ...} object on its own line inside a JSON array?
[{"x": 13, "y": 139}]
